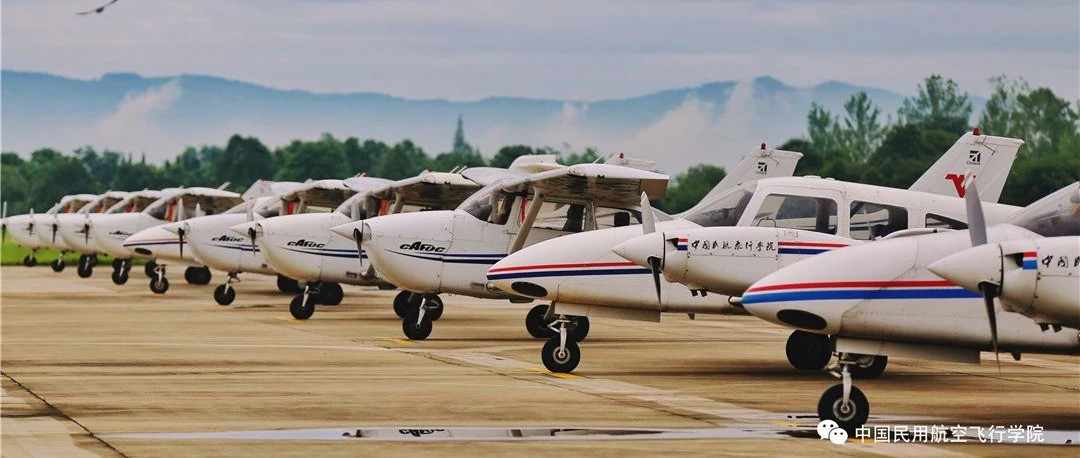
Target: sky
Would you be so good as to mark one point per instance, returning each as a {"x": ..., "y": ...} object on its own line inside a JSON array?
[{"x": 576, "y": 50}]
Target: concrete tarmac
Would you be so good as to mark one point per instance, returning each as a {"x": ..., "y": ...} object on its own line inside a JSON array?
[{"x": 91, "y": 368}]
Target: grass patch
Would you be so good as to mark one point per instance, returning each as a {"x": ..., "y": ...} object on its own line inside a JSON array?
[{"x": 12, "y": 254}]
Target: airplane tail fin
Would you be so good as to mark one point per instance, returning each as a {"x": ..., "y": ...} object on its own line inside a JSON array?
[
  {"x": 988, "y": 158},
  {"x": 758, "y": 164}
]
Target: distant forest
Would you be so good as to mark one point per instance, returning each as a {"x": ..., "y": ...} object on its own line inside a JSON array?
[{"x": 861, "y": 144}]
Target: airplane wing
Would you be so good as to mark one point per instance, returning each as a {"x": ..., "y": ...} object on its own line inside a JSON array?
[
  {"x": 534, "y": 163},
  {"x": 321, "y": 193},
  {"x": 435, "y": 189},
  {"x": 365, "y": 184},
  {"x": 488, "y": 175},
  {"x": 605, "y": 184}
]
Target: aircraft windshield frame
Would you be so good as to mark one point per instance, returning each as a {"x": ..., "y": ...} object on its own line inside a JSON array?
[
  {"x": 723, "y": 210},
  {"x": 481, "y": 203},
  {"x": 1057, "y": 214}
]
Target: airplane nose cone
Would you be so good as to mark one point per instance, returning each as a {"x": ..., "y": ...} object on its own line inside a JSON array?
[
  {"x": 970, "y": 267},
  {"x": 346, "y": 230},
  {"x": 243, "y": 228},
  {"x": 639, "y": 249}
]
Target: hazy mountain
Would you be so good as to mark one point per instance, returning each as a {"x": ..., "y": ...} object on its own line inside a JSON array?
[{"x": 715, "y": 122}]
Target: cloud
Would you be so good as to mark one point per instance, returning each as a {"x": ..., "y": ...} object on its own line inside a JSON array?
[{"x": 134, "y": 124}]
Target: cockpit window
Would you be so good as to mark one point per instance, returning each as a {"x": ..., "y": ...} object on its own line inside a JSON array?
[
  {"x": 480, "y": 204},
  {"x": 724, "y": 209},
  {"x": 1055, "y": 215},
  {"x": 816, "y": 214}
]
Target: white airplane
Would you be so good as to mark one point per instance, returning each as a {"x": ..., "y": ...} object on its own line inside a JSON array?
[
  {"x": 302, "y": 246},
  {"x": 581, "y": 275},
  {"x": 450, "y": 251},
  {"x": 68, "y": 223},
  {"x": 35, "y": 232},
  {"x": 214, "y": 244},
  {"x": 111, "y": 231},
  {"x": 880, "y": 299},
  {"x": 79, "y": 235}
]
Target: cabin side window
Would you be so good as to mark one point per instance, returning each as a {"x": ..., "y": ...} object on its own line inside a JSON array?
[
  {"x": 561, "y": 216},
  {"x": 940, "y": 222},
  {"x": 870, "y": 221},
  {"x": 817, "y": 214}
]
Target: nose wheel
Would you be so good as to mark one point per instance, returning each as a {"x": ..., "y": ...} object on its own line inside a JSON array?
[
  {"x": 158, "y": 283},
  {"x": 58, "y": 265},
  {"x": 29, "y": 260},
  {"x": 844, "y": 403},
  {"x": 121, "y": 269},
  {"x": 225, "y": 294},
  {"x": 303, "y": 305},
  {"x": 561, "y": 352},
  {"x": 86, "y": 265},
  {"x": 417, "y": 324}
]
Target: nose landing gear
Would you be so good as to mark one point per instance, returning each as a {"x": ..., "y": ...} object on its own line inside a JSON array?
[
  {"x": 225, "y": 294},
  {"x": 417, "y": 324},
  {"x": 844, "y": 403},
  {"x": 561, "y": 352},
  {"x": 121, "y": 269},
  {"x": 158, "y": 283}
]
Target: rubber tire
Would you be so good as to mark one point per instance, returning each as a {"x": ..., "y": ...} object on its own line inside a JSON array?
[
  {"x": 554, "y": 363},
  {"x": 581, "y": 330},
  {"x": 159, "y": 287},
  {"x": 807, "y": 351},
  {"x": 413, "y": 330},
  {"x": 29, "y": 261},
  {"x": 148, "y": 269},
  {"x": 299, "y": 309},
  {"x": 434, "y": 313},
  {"x": 85, "y": 269},
  {"x": 856, "y": 419},
  {"x": 224, "y": 295},
  {"x": 119, "y": 277},
  {"x": 535, "y": 323},
  {"x": 288, "y": 285},
  {"x": 58, "y": 265},
  {"x": 198, "y": 275},
  {"x": 874, "y": 370},
  {"x": 93, "y": 260},
  {"x": 402, "y": 303},
  {"x": 330, "y": 293},
  {"x": 117, "y": 263}
]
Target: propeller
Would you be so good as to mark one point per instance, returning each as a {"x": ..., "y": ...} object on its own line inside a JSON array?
[
  {"x": 251, "y": 235},
  {"x": 648, "y": 226},
  {"x": 180, "y": 217},
  {"x": 86, "y": 232},
  {"x": 977, "y": 231},
  {"x": 3, "y": 221},
  {"x": 55, "y": 228},
  {"x": 358, "y": 236}
]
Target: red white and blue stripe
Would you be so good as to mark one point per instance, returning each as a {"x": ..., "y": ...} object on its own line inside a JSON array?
[
  {"x": 1031, "y": 260},
  {"x": 681, "y": 244},
  {"x": 807, "y": 247},
  {"x": 330, "y": 252},
  {"x": 856, "y": 290},
  {"x": 454, "y": 258},
  {"x": 577, "y": 269}
]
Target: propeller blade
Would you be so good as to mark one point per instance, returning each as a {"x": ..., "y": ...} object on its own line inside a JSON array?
[
  {"x": 976, "y": 220},
  {"x": 251, "y": 235},
  {"x": 55, "y": 227},
  {"x": 654, "y": 268},
  {"x": 648, "y": 219},
  {"x": 180, "y": 233},
  {"x": 358, "y": 236},
  {"x": 86, "y": 233},
  {"x": 3, "y": 221},
  {"x": 989, "y": 292}
]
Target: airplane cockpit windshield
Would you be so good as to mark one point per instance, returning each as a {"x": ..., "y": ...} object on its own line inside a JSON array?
[
  {"x": 481, "y": 204},
  {"x": 267, "y": 207},
  {"x": 1052, "y": 216},
  {"x": 724, "y": 209},
  {"x": 134, "y": 203}
]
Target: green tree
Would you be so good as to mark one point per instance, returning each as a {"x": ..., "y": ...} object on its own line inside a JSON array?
[
  {"x": 447, "y": 161},
  {"x": 244, "y": 160},
  {"x": 939, "y": 104},
  {"x": 317, "y": 160},
  {"x": 403, "y": 160},
  {"x": 690, "y": 186},
  {"x": 14, "y": 186},
  {"x": 506, "y": 155},
  {"x": 863, "y": 131},
  {"x": 363, "y": 156},
  {"x": 585, "y": 157}
]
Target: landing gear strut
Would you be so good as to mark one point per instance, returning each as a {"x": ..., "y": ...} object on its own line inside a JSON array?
[
  {"x": 158, "y": 283},
  {"x": 226, "y": 294},
  {"x": 58, "y": 265},
  {"x": 149, "y": 268},
  {"x": 561, "y": 352},
  {"x": 303, "y": 305},
  {"x": 844, "y": 403},
  {"x": 541, "y": 327},
  {"x": 417, "y": 323}
]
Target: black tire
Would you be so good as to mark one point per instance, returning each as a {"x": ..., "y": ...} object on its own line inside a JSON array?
[
  {"x": 159, "y": 286},
  {"x": 93, "y": 260},
  {"x": 562, "y": 362},
  {"x": 403, "y": 303},
  {"x": 85, "y": 268},
  {"x": 330, "y": 293},
  {"x": 119, "y": 277},
  {"x": 224, "y": 295},
  {"x": 117, "y": 263},
  {"x": 536, "y": 324},
  {"x": 414, "y": 330},
  {"x": 434, "y": 308},
  {"x": 29, "y": 261},
  {"x": 580, "y": 329},
  {"x": 301, "y": 309},
  {"x": 807, "y": 351},
  {"x": 874, "y": 370},
  {"x": 149, "y": 268},
  {"x": 287, "y": 285},
  {"x": 198, "y": 275},
  {"x": 58, "y": 265},
  {"x": 830, "y": 408}
]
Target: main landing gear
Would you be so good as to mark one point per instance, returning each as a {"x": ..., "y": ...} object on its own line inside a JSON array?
[
  {"x": 807, "y": 351},
  {"x": 844, "y": 403},
  {"x": 226, "y": 294},
  {"x": 198, "y": 275},
  {"x": 420, "y": 311},
  {"x": 288, "y": 285},
  {"x": 121, "y": 269},
  {"x": 326, "y": 293}
]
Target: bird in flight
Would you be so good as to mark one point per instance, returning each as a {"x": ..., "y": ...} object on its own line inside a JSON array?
[{"x": 97, "y": 10}]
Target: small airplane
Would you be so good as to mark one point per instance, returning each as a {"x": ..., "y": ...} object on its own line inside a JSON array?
[
  {"x": 111, "y": 232},
  {"x": 881, "y": 299},
  {"x": 35, "y": 232},
  {"x": 437, "y": 252},
  {"x": 214, "y": 244},
  {"x": 302, "y": 246},
  {"x": 68, "y": 223},
  {"x": 580, "y": 274},
  {"x": 79, "y": 235}
]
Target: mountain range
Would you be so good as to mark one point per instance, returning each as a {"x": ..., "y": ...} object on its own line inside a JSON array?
[{"x": 714, "y": 123}]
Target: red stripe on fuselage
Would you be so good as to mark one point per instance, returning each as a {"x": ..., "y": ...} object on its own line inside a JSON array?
[
  {"x": 562, "y": 266},
  {"x": 855, "y": 284}
]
